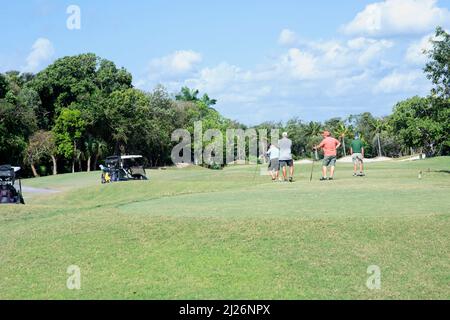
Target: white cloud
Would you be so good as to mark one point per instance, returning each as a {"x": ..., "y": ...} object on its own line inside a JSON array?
[
  {"x": 287, "y": 37},
  {"x": 398, "y": 17},
  {"x": 339, "y": 67},
  {"x": 410, "y": 81},
  {"x": 169, "y": 69},
  {"x": 42, "y": 51},
  {"x": 356, "y": 52},
  {"x": 217, "y": 78},
  {"x": 230, "y": 84},
  {"x": 308, "y": 79},
  {"x": 373, "y": 50},
  {"x": 346, "y": 85},
  {"x": 299, "y": 64},
  {"x": 416, "y": 52},
  {"x": 178, "y": 62}
]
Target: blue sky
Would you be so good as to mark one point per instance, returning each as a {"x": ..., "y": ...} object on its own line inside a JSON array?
[{"x": 262, "y": 60}]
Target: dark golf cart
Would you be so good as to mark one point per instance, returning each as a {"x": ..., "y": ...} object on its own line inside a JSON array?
[
  {"x": 10, "y": 185},
  {"x": 123, "y": 168}
]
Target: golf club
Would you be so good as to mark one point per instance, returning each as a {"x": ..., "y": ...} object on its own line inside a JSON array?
[{"x": 312, "y": 167}]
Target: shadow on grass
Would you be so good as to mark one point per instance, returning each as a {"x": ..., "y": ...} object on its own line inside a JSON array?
[{"x": 438, "y": 171}]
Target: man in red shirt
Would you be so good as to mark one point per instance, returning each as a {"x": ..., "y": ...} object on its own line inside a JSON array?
[{"x": 329, "y": 146}]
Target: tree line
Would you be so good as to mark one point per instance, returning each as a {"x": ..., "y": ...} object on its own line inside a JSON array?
[{"x": 82, "y": 108}]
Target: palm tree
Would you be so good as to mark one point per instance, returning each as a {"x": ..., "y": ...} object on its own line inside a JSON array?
[
  {"x": 100, "y": 148},
  {"x": 208, "y": 101},
  {"x": 89, "y": 145},
  {"x": 343, "y": 131},
  {"x": 188, "y": 95},
  {"x": 379, "y": 126},
  {"x": 79, "y": 155},
  {"x": 312, "y": 131}
]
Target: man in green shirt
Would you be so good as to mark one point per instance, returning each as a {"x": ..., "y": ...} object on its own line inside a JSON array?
[{"x": 357, "y": 151}]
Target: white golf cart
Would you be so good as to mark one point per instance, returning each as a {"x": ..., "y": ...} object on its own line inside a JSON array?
[{"x": 123, "y": 168}]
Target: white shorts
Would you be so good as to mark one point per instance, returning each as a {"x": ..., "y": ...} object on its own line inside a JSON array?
[{"x": 357, "y": 157}]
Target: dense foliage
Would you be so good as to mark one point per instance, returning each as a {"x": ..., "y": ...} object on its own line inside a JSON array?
[{"x": 78, "y": 110}]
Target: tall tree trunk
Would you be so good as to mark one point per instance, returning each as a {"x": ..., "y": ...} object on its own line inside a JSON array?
[
  {"x": 95, "y": 162},
  {"x": 88, "y": 164},
  {"x": 117, "y": 148},
  {"x": 74, "y": 156},
  {"x": 33, "y": 168},
  {"x": 343, "y": 144},
  {"x": 80, "y": 167},
  {"x": 55, "y": 168},
  {"x": 379, "y": 145}
]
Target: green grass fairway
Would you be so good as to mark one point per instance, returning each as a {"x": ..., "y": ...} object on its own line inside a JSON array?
[{"x": 201, "y": 234}]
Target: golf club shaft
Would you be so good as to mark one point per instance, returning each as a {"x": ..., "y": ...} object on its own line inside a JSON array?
[{"x": 312, "y": 168}]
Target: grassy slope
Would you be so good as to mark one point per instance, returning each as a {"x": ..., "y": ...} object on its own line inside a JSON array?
[{"x": 196, "y": 233}]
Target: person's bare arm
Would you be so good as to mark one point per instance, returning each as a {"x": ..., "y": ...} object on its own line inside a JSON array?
[{"x": 318, "y": 147}]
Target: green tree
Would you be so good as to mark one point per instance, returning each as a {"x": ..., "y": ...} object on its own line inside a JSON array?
[
  {"x": 187, "y": 95},
  {"x": 41, "y": 146},
  {"x": 89, "y": 150},
  {"x": 207, "y": 101},
  {"x": 312, "y": 133},
  {"x": 68, "y": 130},
  {"x": 342, "y": 131},
  {"x": 414, "y": 120},
  {"x": 100, "y": 148},
  {"x": 296, "y": 132},
  {"x": 109, "y": 78},
  {"x": 3, "y": 86},
  {"x": 77, "y": 82},
  {"x": 17, "y": 124},
  {"x": 438, "y": 71},
  {"x": 162, "y": 120},
  {"x": 364, "y": 125},
  {"x": 125, "y": 114},
  {"x": 379, "y": 126},
  {"x": 438, "y": 67}
]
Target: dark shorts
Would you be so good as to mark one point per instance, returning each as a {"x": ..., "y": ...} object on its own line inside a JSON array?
[
  {"x": 329, "y": 161},
  {"x": 284, "y": 163},
  {"x": 274, "y": 165}
]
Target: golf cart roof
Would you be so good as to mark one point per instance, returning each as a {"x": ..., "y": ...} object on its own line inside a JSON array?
[
  {"x": 130, "y": 157},
  {"x": 8, "y": 171},
  {"x": 8, "y": 167}
]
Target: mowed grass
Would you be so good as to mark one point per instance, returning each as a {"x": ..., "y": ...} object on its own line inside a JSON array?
[{"x": 200, "y": 234}]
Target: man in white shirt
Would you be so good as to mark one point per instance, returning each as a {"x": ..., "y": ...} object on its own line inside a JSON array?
[
  {"x": 285, "y": 146},
  {"x": 274, "y": 164}
]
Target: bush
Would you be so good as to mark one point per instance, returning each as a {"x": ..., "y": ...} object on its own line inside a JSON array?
[{"x": 42, "y": 170}]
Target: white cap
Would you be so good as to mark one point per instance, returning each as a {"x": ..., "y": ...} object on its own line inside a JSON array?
[{"x": 285, "y": 134}]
